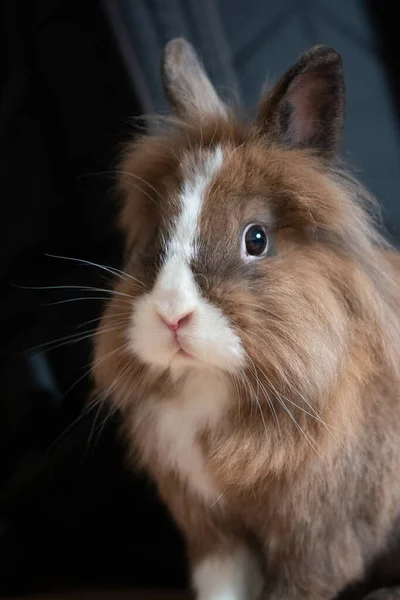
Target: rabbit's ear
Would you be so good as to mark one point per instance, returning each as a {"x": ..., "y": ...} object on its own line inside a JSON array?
[
  {"x": 188, "y": 88},
  {"x": 305, "y": 109}
]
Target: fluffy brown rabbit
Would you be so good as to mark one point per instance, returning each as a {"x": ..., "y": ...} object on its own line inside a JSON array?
[{"x": 252, "y": 342}]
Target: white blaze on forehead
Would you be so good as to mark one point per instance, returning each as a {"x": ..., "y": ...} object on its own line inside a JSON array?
[
  {"x": 207, "y": 335},
  {"x": 196, "y": 180},
  {"x": 176, "y": 293}
]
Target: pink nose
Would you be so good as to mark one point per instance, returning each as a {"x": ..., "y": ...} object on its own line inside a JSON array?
[{"x": 174, "y": 325}]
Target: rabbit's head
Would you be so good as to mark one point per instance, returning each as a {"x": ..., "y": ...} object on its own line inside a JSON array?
[{"x": 248, "y": 251}]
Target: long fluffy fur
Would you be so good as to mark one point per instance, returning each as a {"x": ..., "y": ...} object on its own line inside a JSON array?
[{"x": 309, "y": 474}]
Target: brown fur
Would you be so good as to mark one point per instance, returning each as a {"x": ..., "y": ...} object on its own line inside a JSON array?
[{"x": 316, "y": 491}]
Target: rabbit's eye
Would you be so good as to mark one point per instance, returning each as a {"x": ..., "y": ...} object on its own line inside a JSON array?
[{"x": 255, "y": 242}]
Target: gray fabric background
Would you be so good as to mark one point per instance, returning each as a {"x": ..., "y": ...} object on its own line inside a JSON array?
[{"x": 245, "y": 42}]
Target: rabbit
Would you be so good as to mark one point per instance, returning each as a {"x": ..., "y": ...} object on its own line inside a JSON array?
[{"x": 252, "y": 342}]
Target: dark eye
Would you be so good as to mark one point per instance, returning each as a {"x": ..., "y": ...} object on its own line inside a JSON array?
[{"x": 255, "y": 242}]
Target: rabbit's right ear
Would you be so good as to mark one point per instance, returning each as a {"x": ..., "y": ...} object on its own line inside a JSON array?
[{"x": 187, "y": 86}]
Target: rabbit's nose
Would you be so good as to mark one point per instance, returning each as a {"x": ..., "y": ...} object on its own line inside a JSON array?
[
  {"x": 174, "y": 309},
  {"x": 176, "y": 323}
]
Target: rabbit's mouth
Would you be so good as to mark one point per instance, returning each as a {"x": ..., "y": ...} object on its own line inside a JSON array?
[
  {"x": 180, "y": 348},
  {"x": 182, "y": 353}
]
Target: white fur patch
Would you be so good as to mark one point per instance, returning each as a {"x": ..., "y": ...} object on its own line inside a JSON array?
[
  {"x": 204, "y": 347},
  {"x": 183, "y": 241},
  {"x": 208, "y": 337},
  {"x": 174, "y": 424},
  {"x": 228, "y": 577}
]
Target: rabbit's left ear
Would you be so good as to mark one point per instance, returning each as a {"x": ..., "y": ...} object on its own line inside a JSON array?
[{"x": 305, "y": 109}]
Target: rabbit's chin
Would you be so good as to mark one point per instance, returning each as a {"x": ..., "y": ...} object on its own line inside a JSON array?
[{"x": 206, "y": 341}]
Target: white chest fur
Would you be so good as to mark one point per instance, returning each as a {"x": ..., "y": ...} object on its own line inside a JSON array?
[{"x": 174, "y": 424}]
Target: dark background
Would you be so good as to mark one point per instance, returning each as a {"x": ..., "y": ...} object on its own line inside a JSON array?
[{"x": 74, "y": 75}]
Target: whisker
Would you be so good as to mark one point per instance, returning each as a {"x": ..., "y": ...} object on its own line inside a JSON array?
[
  {"x": 70, "y": 426},
  {"x": 95, "y": 362},
  {"x": 282, "y": 398},
  {"x": 87, "y": 408},
  {"x": 97, "y": 319},
  {"x": 77, "y": 339},
  {"x": 99, "y": 405},
  {"x": 315, "y": 416},
  {"x": 219, "y": 498},
  {"x": 111, "y": 412},
  {"x": 266, "y": 395},
  {"x": 101, "y": 399},
  {"x": 214, "y": 134},
  {"x": 282, "y": 403},
  {"x": 134, "y": 176},
  {"x": 235, "y": 149},
  {"x": 112, "y": 270},
  {"x": 79, "y": 334},
  {"x": 262, "y": 415},
  {"x": 76, "y": 300},
  {"x": 248, "y": 387},
  {"x": 237, "y": 394},
  {"x": 83, "y": 288}
]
